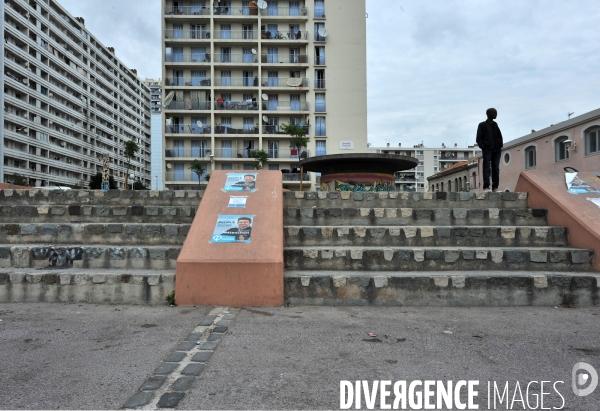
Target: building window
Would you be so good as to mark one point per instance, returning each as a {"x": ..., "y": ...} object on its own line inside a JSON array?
[
  {"x": 319, "y": 8},
  {"x": 321, "y": 148},
  {"x": 419, "y": 152},
  {"x": 592, "y": 140},
  {"x": 226, "y": 166},
  {"x": 248, "y": 167},
  {"x": 506, "y": 158},
  {"x": 560, "y": 149},
  {"x": 274, "y": 167},
  {"x": 320, "y": 129},
  {"x": 530, "y": 157}
]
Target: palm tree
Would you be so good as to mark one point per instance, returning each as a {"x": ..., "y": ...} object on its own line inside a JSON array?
[{"x": 130, "y": 148}]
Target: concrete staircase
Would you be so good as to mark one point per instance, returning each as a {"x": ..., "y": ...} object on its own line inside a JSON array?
[
  {"x": 430, "y": 249},
  {"x": 92, "y": 246}
]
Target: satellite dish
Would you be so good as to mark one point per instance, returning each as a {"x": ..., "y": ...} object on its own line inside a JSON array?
[
  {"x": 168, "y": 99},
  {"x": 254, "y": 51},
  {"x": 322, "y": 32},
  {"x": 265, "y": 97},
  {"x": 262, "y": 4},
  {"x": 199, "y": 123},
  {"x": 265, "y": 119},
  {"x": 169, "y": 166},
  {"x": 169, "y": 122}
]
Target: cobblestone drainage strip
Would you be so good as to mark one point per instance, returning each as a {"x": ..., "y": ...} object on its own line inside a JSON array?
[{"x": 171, "y": 379}]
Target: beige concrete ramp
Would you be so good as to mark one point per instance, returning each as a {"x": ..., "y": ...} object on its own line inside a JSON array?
[
  {"x": 574, "y": 211},
  {"x": 233, "y": 254}
]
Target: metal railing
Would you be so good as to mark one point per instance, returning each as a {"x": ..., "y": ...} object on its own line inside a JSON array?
[
  {"x": 187, "y": 81},
  {"x": 284, "y": 58},
  {"x": 319, "y": 83},
  {"x": 189, "y": 105},
  {"x": 236, "y": 129},
  {"x": 187, "y": 129},
  {"x": 284, "y": 11},
  {"x": 320, "y": 106},
  {"x": 235, "y": 58},
  {"x": 184, "y": 176},
  {"x": 319, "y": 60},
  {"x": 236, "y": 105},
  {"x": 187, "y": 34},
  {"x": 235, "y": 82},
  {"x": 295, "y": 176},
  {"x": 284, "y": 82},
  {"x": 187, "y": 58},
  {"x": 190, "y": 153},
  {"x": 300, "y": 35},
  {"x": 235, "y": 34},
  {"x": 187, "y": 10},
  {"x": 285, "y": 105},
  {"x": 270, "y": 129},
  {"x": 287, "y": 153}
]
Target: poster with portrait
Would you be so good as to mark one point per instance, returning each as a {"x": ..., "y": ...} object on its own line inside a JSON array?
[
  {"x": 233, "y": 229},
  {"x": 245, "y": 182}
]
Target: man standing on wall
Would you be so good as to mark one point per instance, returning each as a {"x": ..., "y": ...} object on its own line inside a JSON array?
[{"x": 489, "y": 140}]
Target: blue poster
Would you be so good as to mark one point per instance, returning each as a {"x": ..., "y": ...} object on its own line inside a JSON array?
[
  {"x": 240, "y": 182},
  {"x": 233, "y": 229}
]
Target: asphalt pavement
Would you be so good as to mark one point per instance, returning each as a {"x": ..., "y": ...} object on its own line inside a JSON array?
[{"x": 60, "y": 356}]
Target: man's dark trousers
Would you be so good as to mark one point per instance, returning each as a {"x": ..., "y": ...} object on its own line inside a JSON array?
[{"x": 491, "y": 158}]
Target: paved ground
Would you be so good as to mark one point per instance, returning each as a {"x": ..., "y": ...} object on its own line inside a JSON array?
[{"x": 70, "y": 356}]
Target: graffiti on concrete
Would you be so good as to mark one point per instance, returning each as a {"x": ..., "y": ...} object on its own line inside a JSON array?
[
  {"x": 367, "y": 188},
  {"x": 59, "y": 256}
]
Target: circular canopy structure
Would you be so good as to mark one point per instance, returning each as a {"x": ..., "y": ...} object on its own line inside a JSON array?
[{"x": 364, "y": 170}]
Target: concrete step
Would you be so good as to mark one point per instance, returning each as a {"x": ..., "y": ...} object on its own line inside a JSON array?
[
  {"x": 300, "y": 199},
  {"x": 99, "y": 197},
  {"x": 92, "y": 233},
  {"x": 426, "y": 236},
  {"x": 85, "y": 256},
  {"x": 314, "y": 216},
  {"x": 437, "y": 258},
  {"x": 96, "y": 213},
  {"x": 442, "y": 288},
  {"x": 92, "y": 286}
]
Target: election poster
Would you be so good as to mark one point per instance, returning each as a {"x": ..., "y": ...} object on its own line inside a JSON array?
[
  {"x": 240, "y": 182},
  {"x": 233, "y": 229}
]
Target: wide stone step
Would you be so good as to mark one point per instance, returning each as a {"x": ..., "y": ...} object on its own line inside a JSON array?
[
  {"x": 100, "y": 197},
  {"x": 414, "y": 216},
  {"x": 442, "y": 288},
  {"x": 92, "y": 233},
  {"x": 437, "y": 258},
  {"x": 457, "y": 236},
  {"x": 323, "y": 199},
  {"x": 65, "y": 256},
  {"x": 93, "y": 213},
  {"x": 93, "y": 286}
]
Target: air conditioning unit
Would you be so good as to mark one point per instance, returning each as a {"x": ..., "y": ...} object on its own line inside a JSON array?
[
  {"x": 304, "y": 11},
  {"x": 62, "y": 143}
]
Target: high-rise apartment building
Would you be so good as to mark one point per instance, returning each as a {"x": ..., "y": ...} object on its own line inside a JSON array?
[
  {"x": 156, "y": 132},
  {"x": 67, "y": 101},
  {"x": 235, "y": 71},
  {"x": 431, "y": 161}
]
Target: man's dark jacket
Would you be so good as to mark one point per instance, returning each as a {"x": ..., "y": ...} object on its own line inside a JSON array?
[{"x": 485, "y": 135}]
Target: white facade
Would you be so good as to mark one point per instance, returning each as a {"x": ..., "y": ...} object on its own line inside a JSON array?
[
  {"x": 431, "y": 161},
  {"x": 68, "y": 101},
  {"x": 237, "y": 73}
]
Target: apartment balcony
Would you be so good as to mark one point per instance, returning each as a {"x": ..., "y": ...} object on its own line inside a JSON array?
[
  {"x": 285, "y": 105},
  {"x": 287, "y": 154},
  {"x": 229, "y": 153},
  {"x": 187, "y": 58},
  {"x": 294, "y": 36},
  {"x": 271, "y": 129},
  {"x": 187, "y": 129},
  {"x": 188, "y": 153},
  {"x": 226, "y": 105},
  {"x": 289, "y": 11},
  {"x": 235, "y": 35},
  {"x": 284, "y": 58},
  {"x": 187, "y": 34},
  {"x": 187, "y": 82},
  {"x": 284, "y": 82},
  {"x": 455, "y": 157},
  {"x": 237, "y": 58},
  {"x": 287, "y": 177},
  {"x": 190, "y": 105},
  {"x": 187, "y": 11},
  {"x": 183, "y": 176},
  {"x": 239, "y": 129}
]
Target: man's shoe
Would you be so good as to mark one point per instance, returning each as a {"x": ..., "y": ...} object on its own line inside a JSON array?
[
  {"x": 487, "y": 190},
  {"x": 494, "y": 190}
]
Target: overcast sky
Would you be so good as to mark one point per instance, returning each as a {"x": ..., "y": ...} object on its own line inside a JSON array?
[{"x": 434, "y": 66}]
